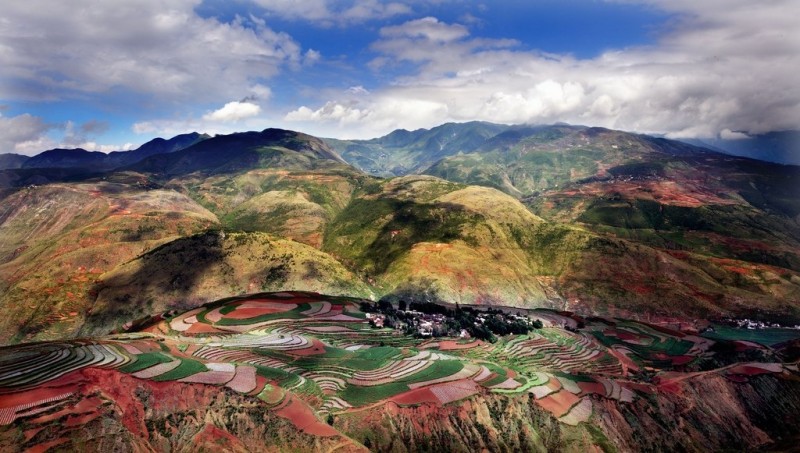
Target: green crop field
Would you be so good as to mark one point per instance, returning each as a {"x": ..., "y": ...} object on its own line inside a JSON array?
[
  {"x": 359, "y": 396},
  {"x": 145, "y": 360},
  {"x": 767, "y": 337},
  {"x": 187, "y": 367}
]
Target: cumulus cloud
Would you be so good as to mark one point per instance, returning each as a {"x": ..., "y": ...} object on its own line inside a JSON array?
[
  {"x": 156, "y": 48},
  {"x": 233, "y": 111},
  {"x": 29, "y": 135},
  {"x": 22, "y": 134},
  {"x": 329, "y": 12},
  {"x": 722, "y": 65},
  {"x": 78, "y": 135},
  {"x": 427, "y": 28}
]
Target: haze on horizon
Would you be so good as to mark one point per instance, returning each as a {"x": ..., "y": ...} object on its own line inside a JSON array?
[{"x": 112, "y": 75}]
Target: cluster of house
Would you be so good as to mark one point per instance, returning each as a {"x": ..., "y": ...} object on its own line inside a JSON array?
[
  {"x": 752, "y": 324},
  {"x": 424, "y": 323}
]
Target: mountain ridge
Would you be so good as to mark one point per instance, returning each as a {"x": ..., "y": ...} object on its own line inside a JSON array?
[{"x": 566, "y": 217}]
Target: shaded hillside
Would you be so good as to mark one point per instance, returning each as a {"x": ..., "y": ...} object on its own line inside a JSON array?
[
  {"x": 781, "y": 146},
  {"x": 59, "y": 239},
  {"x": 11, "y": 161},
  {"x": 156, "y": 146},
  {"x": 68, "y": 158},
  {"x": 188, "y": 272},
  {"x": 94, "y": 160},
  {"x": 243, "y": 151}
]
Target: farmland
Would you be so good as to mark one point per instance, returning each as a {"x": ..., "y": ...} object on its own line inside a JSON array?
[{"x": 311, "y": 359}]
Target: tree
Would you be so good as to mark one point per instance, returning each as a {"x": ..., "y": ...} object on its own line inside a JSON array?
[{"x": 402, "y": 305}]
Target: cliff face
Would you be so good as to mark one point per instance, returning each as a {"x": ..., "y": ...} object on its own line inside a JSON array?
[
  {"x": 113, "y": 411},
  {"x": 706, "y": 413},
  {"x": 709, "y": 413}
]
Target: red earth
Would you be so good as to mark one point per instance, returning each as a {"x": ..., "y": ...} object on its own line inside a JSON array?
[
  {"x": 416, "y": 396},
  {"x": 558, "y": 403},
  {"x": 304, "y": 419}
]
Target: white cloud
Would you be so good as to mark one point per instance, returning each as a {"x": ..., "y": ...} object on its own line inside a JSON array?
[
  {"x": 22, "y": 134},
  {"x": 311, "y": 56},
  {"x": 233, "y": 111},
  {"x": 724, "y": 65},
  {"x": 329, "y": 12},
  {"x": 358, "y": 89},
  {"x": 156, "y": 48},
  {"x": 29, "y": 135},
  {"x": 427, "y": 28}
]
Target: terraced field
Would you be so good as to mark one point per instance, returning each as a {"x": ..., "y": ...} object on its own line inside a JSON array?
[{"x": 308, "y": 357}]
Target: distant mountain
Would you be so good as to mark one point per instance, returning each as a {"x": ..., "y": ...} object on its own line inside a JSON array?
[
  {"x": 11, "y": 161},
  {"x": 782, "y": 147},
  {"x": 525, "y": 159},
  {"x": 240, "y": 151},
  {"x": 75, "y": 158},
  {"x": 403, "y": 152},
  {"x": 67, "y": 158},
  {"x": 156, "y": 146}
]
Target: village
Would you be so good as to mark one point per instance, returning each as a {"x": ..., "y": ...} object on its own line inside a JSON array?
[{"x": 426, "y": 319}]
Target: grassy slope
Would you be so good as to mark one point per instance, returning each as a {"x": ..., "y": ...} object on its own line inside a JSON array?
[
  {"x": 684, "y": 231},
  {"x": 190, "y": 271},
  {"x": 423, "y": 237},
  {"x": 63, "y": 237}
]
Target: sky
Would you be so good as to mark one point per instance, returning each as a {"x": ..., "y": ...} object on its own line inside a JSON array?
[{"x": 106, "y": 75}]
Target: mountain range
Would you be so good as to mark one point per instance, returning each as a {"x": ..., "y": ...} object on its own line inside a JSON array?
[{"x": 571, "y": 217}]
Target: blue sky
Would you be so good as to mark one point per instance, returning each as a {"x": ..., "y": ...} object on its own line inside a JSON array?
[{"x": 113, "y": 75}]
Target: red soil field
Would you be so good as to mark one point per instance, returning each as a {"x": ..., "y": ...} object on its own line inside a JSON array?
[
  {"x": 592, "y": 387},
  {"x": 277, "y": 304},
  {"x": 304, "y": 419},
  {"x": 261, "y": 381},
  {"x": 558, "y": 403},
  {"x": 741, "y": 345},
  {"x": 416, "y": 396},
  {"x": 68, "y": 383},
  {"x": 747, "y": 370},
  {"x": 644, "y": 388},
  {"x": 200, "y": 327},
  {"x": 623, "y": 334},
  {"x": 681, "y": 359},
  {"x": 452, "y": 345},
  {"x": 247, "y": 313}
]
